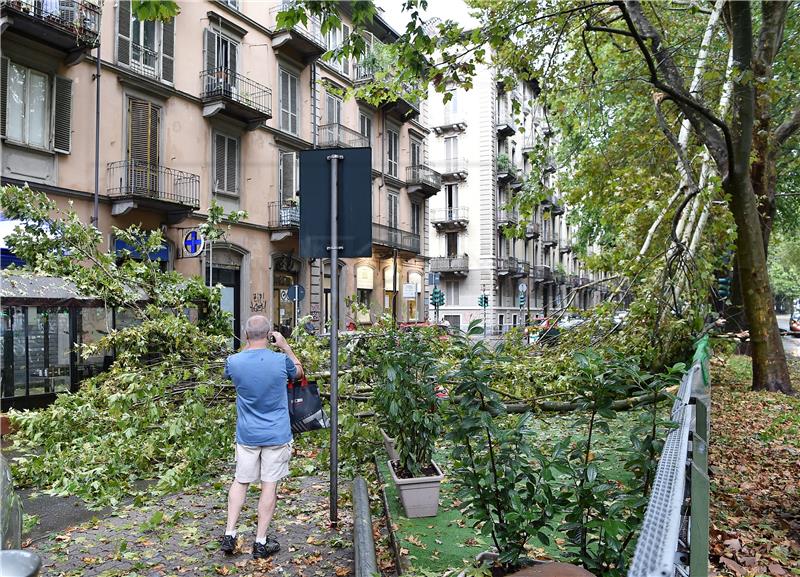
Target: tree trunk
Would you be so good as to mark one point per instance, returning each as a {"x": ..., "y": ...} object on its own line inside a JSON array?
[{"x": 770, "y": 370}]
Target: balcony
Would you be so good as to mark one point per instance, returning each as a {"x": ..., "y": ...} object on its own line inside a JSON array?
[
  {"x": 137, "y": 184},
  {"x": 507, "y": 217},
  {"x": 305, "y": 40},
  {"x": 71, "y": 26},
  {"x": 283, "y": 216},
  {"x": 506, "y": 173},
  {"x": 553, "y": 207},
  {"x": 548, "y": 239},
  {"x": 512, "y": 267},
  {"x": 454, "y": 169},
  {"x": 584, "y": 280},
  {"x": 456, "y": 265},
  {"x": 541, "y": 273},
  {"x": 453, "y": 218},
  {"x": 453, "y": 122},
  {"x": 339, "y": 136},
  {"x": 559, "y": 277},
  {"x": 506, "y": 126},
  {"x": 145, "y": 62},
  {"x": 573, "y": 280},
  {"x": 226, "y": 92},
  {"x": 391, "y": 237},
  {"x": 565, "y": 246},
  {"x": 533, "y": 230},
  {"x": 405, "y": 106},
  {"x": 423, "y": 179}
]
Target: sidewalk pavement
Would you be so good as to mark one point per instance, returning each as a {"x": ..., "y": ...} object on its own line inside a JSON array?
[{"x": 179, "y": 535}]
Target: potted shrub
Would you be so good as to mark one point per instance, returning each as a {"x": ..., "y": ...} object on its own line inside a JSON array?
[{"x": 409, "y": 411}]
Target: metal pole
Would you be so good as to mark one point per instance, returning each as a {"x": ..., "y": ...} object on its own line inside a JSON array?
[
  {"x": 96, "y": 207},
  {"x": 295, "y": 307},
  {"x": 334, "y": 248}
]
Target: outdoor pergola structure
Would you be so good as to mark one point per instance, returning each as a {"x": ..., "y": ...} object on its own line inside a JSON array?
[{"x": 45, "y": 320}]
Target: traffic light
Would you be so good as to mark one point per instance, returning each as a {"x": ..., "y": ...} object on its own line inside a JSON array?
[
  {"x": 724, "y": 287},
  {"x": 483, "y": 300},
  {"x": 437, "y": 297},
  {"x": 521, "y": 300}
]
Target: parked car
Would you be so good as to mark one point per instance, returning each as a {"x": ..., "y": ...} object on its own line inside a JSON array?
[{"x": 794, "y": 323}]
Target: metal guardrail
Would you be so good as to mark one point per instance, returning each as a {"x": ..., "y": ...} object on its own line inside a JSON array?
[
  {"x": 395, "y": 238},
  {"x": 78, "y": 17},
  {"x": 423, "y": 175},
  {"x": 139, "y": 178},
  {"x": 674, "y": 535},
  {"x": 339, "y": 136},
  {"x": 312, "y": 30},
  {"x": 452, "y": 214},
  {"x": 283, "y": 216},
  {"x": 145, "y": 61},
  {"x": 223, "y": 82}
]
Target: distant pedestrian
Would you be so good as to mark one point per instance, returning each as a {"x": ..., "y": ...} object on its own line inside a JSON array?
[{"x": 263, "y": 431}]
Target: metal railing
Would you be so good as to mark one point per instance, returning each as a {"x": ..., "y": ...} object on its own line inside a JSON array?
[
  {"x": 573, "y": 280},
  {"x": 145, "y": 61},
  {"x": 139, "y": 178},
  {"x": 283, "y": 215},
  {"x": 78, "y": 17},
  {"x": 548, "y": 238},
  {"x": 674, "y": 536},
  {"x": 339, "y": 136},
  {"x": 223, "y": 82},
  {"x": 505, "y": 120},
  {"x": 421, "y": 174},
  {"x": 395, "y": 238},
  {"x": 454, "y": 166},
  {"x": 533, "y": 230},
  {"x": 541, "y": 273},
  {"x": 506, "y": 265},
  {"x": 452, "y": 214},
  {"x": 312, "y": 30},
  {"x": 449, "y": 264},
  {"x": 505, "y": 216}
]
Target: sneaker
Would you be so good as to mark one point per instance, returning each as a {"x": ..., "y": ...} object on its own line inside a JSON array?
[
  {"x": 228, "y": 544},
  {"x": 262, "y": 551}
]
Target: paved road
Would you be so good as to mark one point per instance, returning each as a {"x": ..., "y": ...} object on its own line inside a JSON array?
[{"x": 790, "y": 344}]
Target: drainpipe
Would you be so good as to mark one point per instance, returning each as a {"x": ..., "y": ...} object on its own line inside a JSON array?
[
  {"x": 314, "y": 103},
  {"x": 96, "y": 209}
]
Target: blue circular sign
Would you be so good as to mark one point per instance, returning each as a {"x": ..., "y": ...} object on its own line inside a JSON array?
[
  {"x": 296, "y": 292},
  {"x": 193, "y": 243}
]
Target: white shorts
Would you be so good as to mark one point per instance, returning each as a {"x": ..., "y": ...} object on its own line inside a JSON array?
[{"x": 269, "y": 464}]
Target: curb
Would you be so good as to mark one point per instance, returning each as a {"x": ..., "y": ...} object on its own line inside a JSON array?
[{"x": 363, "y": 541}]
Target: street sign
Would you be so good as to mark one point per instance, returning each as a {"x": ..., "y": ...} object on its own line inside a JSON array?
[
  {"x": 409, "y": 290},
  {"x": 354, "y": 206},
  {"x": 433, "y": 278},
  {"x": 522, "y": 287},
  {"x": 193, "y": 244},
  {"x": 295, "y": 293}
]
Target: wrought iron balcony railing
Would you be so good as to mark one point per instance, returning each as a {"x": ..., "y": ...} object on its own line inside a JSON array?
[
  {"x": 507, "y": 265},
  {"x": 225, "y": 83},
  {"x": 507, "y": 217},
  {"x": 419, "y": 174},
  {"x": 541, "y": 273},
  {"x": 533, "y": 230},
  {"x": 312, "y": 30},
  {"x": 454, "y": 167},
  {"x": 339, "y": 136},
  {"x": 452, "y": 264},
  {"x": 80, "y": 18},
  {"x": 548, "y": 239},
  {"x": 395, "y": 238},
  {"x": 136, "y": 178},
  {"x": 281, "y": 215},
  {"x": 454, "y": 214}
]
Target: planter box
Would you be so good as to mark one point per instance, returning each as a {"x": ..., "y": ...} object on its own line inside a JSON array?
[
  {"x": 419, "y": 495},
  {"x": 388, "y": 443}
]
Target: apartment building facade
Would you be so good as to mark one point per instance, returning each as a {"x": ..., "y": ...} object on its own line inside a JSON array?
[
  {"x": 484, "y": 148},
  {"x": 215, "y": 104}
]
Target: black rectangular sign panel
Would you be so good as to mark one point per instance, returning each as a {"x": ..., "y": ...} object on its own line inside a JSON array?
[{"x": 354, "y": 207}]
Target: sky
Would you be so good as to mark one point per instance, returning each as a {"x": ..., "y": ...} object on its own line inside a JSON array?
[{"x": 444, "y": 9}]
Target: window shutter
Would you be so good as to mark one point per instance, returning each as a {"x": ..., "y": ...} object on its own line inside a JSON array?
[
  {"x": 3, "y": 94},
  {"x": 232, "y": 61},
  {"x": 232, "y": 166},
  {"x": 143, "y": 132},
  {"x": 288, "y": 161},
  {"x": 284, "y": 96},
  {"x": 293, "y": 103},
  {"x": 210, "y": 49},
  {"x": 346, "y": 61},
  {"x": 168, "y": 51},
  {"x": 124, "y": 32},
  {"x": 219, "y": 163},
  {"x": 62, "y": 115}
]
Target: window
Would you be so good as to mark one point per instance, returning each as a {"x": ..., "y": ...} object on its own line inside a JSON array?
[
  {"x": 416, "y": 153},
  {"x": 394, "y": 153},
  {"x": 451, "y": 290},
  {"x": 334, "y": 39},
  {"x": 288, "y": 101},
  {"x": 416, "y": 216},
  {"x": 366, "y": 127},
  {"x": 451, "y": 108},
  {"x": 333, "y": 110},
  {"x": 394, "y": 200},
  {"x": 226, "y": 164},
  {"x": 147, "y": 47},
  {"x": 289, "y": 176},
  {"x": 452, "y": 244},
  {"x": 143, "y": 146},
  {"x": 451, "y": 191},
  {"x": 27, "y": 106},
  {"x": 451, "y": 153},
  {"x": 232, "y": 3}
]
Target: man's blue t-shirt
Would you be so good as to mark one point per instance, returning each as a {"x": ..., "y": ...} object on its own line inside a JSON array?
[{"x": 262, "y": 411}]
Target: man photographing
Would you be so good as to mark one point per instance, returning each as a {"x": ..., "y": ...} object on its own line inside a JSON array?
[{"x": 263, "y": 430}]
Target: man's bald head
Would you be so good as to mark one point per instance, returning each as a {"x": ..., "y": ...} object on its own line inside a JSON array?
[{"x": 257, "y": 328}]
